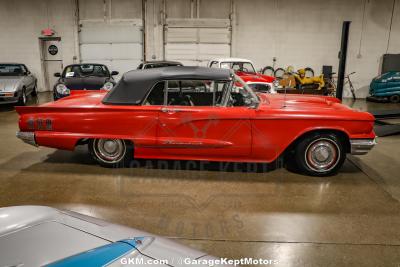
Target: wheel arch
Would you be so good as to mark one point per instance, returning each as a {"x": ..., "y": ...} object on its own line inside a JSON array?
[{"x": 341, "y": 134}]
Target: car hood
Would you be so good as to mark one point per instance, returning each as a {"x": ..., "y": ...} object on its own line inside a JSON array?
[
  {"x": 311, "y": 106},
  {"x": 9, "y": 83},
  {"x": 85, "y": 83},
  {"x": 27, "y": 225}
]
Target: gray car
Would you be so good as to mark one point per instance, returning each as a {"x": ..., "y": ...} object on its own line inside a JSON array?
[
  {"x": 16, "y": 83},
  {"x": 44, "y": 236}
]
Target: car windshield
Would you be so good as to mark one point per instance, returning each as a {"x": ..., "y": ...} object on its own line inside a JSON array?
[
  {"x": 11, "y": 70},
  {"x": 260, "y": 87},
  {"x": 85, "y": 70},
  {"x": 240, "y": 94},
  {"x": 239, "y": 66}
]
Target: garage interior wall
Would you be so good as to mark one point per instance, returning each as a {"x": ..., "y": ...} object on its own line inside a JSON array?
[
  {"x": 21, "y": 23},
  {"x": 297, "y": 33}
]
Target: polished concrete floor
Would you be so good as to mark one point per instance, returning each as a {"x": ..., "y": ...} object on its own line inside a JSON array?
[{"x": 351, "y": 219}]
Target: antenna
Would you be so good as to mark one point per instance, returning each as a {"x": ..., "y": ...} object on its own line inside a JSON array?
[{"x": 284, "y": 97}]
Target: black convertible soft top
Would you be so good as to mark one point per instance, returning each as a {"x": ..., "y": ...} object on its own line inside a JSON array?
[{"x": 135, "y": 85}]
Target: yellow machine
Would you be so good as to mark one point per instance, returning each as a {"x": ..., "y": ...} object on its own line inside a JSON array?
[
  {"x": 299, "y": 80},
  {"x": 303, "y": 80}
]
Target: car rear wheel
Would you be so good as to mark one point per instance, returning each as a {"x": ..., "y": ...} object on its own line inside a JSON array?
[
  {"x": 394, "y": 98},
  {"x": 320, "y": 154},
  {"x": 112, "y": 153}
]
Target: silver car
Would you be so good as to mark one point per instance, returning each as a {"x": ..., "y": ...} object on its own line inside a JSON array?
[
  {"x": 44, "y": 236},
  {"x": 16, "y": 83}
]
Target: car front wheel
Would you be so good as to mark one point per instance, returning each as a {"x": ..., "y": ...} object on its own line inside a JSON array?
[
  {"x": 23, "y": 98},
  {"x": 320, "y": 154},
  {"x": 112, "y": 153}
]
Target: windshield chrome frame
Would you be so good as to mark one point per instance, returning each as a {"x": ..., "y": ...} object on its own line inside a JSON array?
[{"x": 256, "y": 99}]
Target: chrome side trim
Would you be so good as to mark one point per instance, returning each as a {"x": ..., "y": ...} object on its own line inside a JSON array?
[
  {"x": 27, "y": 137},
  {"x": 361, "y": 146}
]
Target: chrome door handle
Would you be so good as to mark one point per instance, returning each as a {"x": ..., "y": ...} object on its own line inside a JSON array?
[{"x": 170, "y": 110}]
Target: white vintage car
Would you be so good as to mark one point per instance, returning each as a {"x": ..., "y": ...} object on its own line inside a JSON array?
[
  {"x": 43, "y": 236},
  {"x": 244, "y": 68}
]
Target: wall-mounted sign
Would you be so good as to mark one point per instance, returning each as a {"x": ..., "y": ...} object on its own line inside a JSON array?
[{"x": 53, "y": 50}]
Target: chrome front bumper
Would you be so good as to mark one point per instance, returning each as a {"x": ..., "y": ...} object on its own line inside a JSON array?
[
  {"x": 361, "y": 146},
  {"x": 27, "y": 137}
]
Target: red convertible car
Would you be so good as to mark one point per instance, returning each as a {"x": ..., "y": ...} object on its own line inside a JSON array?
[{"x": 195, "y": 113}]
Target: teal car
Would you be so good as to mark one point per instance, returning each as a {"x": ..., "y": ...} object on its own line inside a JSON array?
[{"x": 386, "y": 87}]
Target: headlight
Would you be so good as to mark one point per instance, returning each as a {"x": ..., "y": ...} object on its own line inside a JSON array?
[
  {"x": 275, "y": 84},
  {"x": 108, "y": 86},
  {"x": 62, "y": 89}
]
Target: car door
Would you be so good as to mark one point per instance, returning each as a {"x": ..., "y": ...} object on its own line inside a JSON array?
[
  {"x": 194, "y": 124},
  {"x": 395, "y": 80}
]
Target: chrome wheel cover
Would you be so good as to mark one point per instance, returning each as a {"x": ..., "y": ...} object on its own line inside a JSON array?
[
  {"x": 109, "y": 150},
  {"x": 322, "y": 155}
]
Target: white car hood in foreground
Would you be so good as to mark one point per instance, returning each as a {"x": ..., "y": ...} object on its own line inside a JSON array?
[
  {"x": 9, "y": 83},
  {"x": 35, "y": 236}
]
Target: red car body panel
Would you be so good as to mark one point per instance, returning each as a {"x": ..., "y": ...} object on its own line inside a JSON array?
[{"x": 238, "y": 134}]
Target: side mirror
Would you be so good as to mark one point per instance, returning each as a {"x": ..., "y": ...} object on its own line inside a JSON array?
[
  {"x": 57, "y": 74},
  {"x": 114, "y": 73},
  {"x": 27, "y": 72}
]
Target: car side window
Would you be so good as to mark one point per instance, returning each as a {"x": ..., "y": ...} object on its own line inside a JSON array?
[
  {"x": 195, "y": 92},
  {"x": 156, "y": 96},
  {"x": 214, "y": 64},
  {"x": 24, "y": 70}
]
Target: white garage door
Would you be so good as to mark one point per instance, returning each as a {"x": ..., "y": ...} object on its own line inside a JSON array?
[
  {"x": 111, "y": 33},
  {"x": 197, "y": 45}
]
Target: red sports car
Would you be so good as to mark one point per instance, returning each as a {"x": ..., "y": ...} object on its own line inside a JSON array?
[{"x": 195, "y": 113}]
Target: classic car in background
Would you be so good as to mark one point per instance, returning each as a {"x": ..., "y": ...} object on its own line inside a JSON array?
[
  {"x": 385, "y": 87},
  {"x": 16, "y": 83},
  {"x": 44, "y": 236},
  {"x": 241, "y": 67},
  {"x": 197, "y": 113},
  {"x": 245, "y": 69},
  {"x": 83, "y": 77},
  {"x": 158, "y": 64},
  {"x": 259, "y": 84}
]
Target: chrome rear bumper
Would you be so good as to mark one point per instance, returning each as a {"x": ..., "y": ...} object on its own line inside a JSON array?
[
  {"x": 361, "y": 146},
  {"x": 27, "y": 137}
]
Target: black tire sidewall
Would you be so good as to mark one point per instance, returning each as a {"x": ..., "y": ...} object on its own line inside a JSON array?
[
  {"x": 268, "y": 68},
  {"x": 311, "y": 70},
  {"x": 394, "y": 98},
  {"x": 123, "y": 162},
  {"x": 279, "y": 69},
  {"x": 21, "y": 98},
  {"x": 301, "y": 148}
]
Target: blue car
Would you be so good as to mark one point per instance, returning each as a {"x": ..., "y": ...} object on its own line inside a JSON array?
[{"x": 385, "y": 87}]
